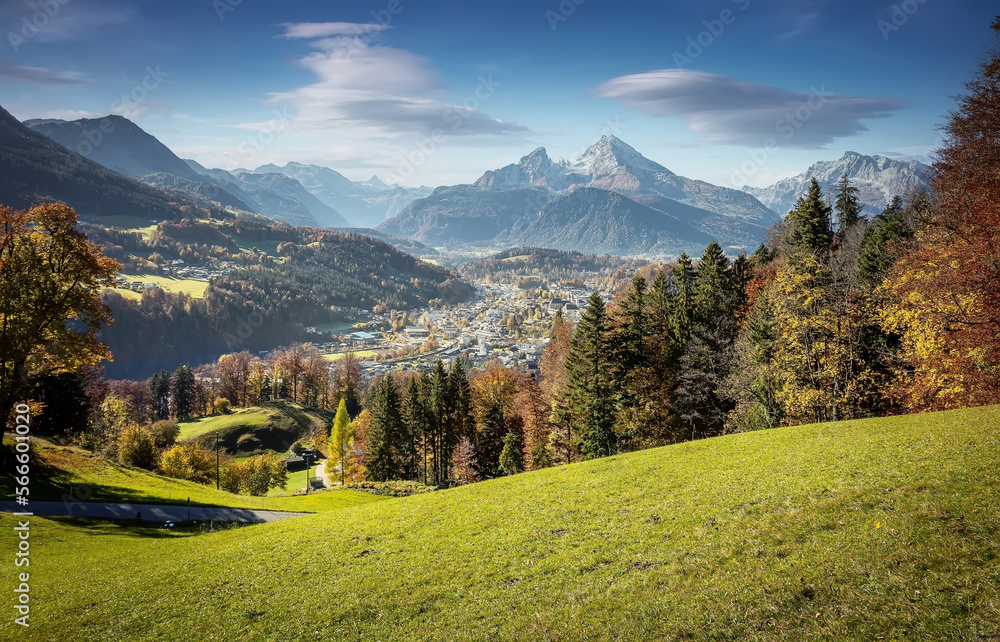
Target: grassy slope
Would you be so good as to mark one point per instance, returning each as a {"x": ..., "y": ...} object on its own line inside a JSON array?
[
  {"x": 253, "y": 416},
  {"x": 879, "y": 529},
  {"x": 60, "y": 472},
  {"x": 276, "y": 425}
]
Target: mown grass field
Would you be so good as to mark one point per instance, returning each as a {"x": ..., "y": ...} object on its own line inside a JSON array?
[
  {"x": 192, "y": 287},
  {"x": 67, "y": 473},
  {"x": 883, "y": 529},
  {"x": 296, "y": 482},
  {"x": 360, "y": 354}
]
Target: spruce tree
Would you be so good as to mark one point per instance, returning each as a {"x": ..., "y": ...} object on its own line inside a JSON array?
[
  {"x": 427, "y": 435},
  {"x": 762, "y": 256},
  {"x": 182, "y": 392},
  {"x": 628, "y": 346},
  {"x": 386, "y": 417},
  {"x": 415, "y": 416},
  {"x": 847, "y": 206},
  {"x": 462, "y": 395},
  {"x": 589, "y": 388},
  {"x": 810, "y": 221},
  {"x": 699, "y": 406},
  {"x": 441, "y": 406},
  {"x": 159, "y": 386},
  {"x": 681, "y": 323},
  {"x": 875, "y": 257},
  {"x": 511, "y": 460},
  {"x": 491, "y": 441}
]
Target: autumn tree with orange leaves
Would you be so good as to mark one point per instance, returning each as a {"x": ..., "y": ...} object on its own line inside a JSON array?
[
  {"x": 51, "y": 277},
  {"x": 943, "y": 293}
]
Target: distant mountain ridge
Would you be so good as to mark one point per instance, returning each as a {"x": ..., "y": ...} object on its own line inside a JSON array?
[
  {"x": 362, "y": 203},
  {"x": 877, "y": 178},
  {"x": 116, "y": 143},
  {"x": 123, "y": 147},
  {"x": 34, "y": 168},
  {"x": 633, "y": 205}
]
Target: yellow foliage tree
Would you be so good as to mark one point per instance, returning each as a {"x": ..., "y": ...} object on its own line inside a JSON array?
[{"x": 816, "y": 354}]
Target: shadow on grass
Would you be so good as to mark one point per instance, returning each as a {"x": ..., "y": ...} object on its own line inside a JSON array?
[
  {"x": 128, "y": 528},
  {"x": 45, "y": 479}
]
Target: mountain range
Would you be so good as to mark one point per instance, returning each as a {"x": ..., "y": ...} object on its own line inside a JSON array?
[
  {"x": 877, "y": 178},
  {"x": 296, "y": 194},
  {"x": 611, "y": 199},
  {"x": 361, "y": 203}
]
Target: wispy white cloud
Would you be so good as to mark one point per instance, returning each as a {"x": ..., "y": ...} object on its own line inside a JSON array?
[
  {"x": 731, "y": 111},
  {"x": 374, "y": 90},
  {"x": 12, "y": 71},
  {"x": 77, "y": 20},
  {"x": 311, "y": 30},
  {"x": 68, "y": 114}
]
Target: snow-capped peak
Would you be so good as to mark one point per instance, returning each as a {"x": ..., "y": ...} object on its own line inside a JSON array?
[{"x": 609, "y": 154}]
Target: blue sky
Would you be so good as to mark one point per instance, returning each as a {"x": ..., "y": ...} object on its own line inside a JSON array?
[{"x": 422, "y": 92}]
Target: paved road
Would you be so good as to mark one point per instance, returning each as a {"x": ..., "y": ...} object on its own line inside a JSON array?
[
  {"x": 151, "y": 513},
  {"x": 320, "y": 474}
]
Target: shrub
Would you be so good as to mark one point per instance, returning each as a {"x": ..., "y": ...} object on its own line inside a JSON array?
[
  {"x": 256, "y": 475},
  {"x": 137, "y": 447},
  {"x": 189, "y": 461},
  {"x": 165, "y": 432},
  {"x": 222, "y": 406}
]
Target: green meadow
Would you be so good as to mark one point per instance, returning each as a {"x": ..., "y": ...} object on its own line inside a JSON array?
[{"x": 883, "y": 529}]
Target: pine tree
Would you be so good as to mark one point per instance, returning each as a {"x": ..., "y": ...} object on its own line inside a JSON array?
[
  {"x": 629, "y": 342},
  {"x": 700, "y": 406},
  {"x": 589, "y": 387},
  {"x": 810, "y": 221},
  {"x": 875, "y": 256},
  {"x": 182, "y": 392},
  {"x": 159, "y": 386},
  {"x": 511, "y": 461},
  {"x": 490, "y": 441},
  {"x": 847, "y": 206},
  {"x": 386, "y": 418},
  {"x": 462, "y": 395},
  {"x": 442, "y": 423}
]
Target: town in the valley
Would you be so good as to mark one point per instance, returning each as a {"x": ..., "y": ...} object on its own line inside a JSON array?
[{"x": 500, "y": 322}]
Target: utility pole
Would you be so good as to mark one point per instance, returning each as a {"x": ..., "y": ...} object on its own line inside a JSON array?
[{"x": 308, "y": 457}]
